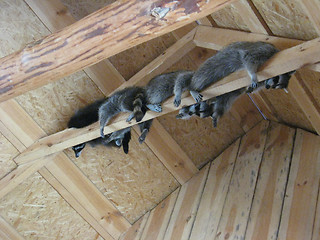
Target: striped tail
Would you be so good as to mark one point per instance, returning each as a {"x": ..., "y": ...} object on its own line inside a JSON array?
[{"x": 138, "y": 107}]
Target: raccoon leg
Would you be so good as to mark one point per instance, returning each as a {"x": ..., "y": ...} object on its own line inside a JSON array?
[
  {"x": 196, "y": 96},
  {"x": 125, "y": 142},
  {"x": 118, "y": 134},
  {"x": 106, "y": 112},
  {"x": 144, "y": 128},
  {"x": 252, "y": 71},
  {"x": 181, "y": 85},
  {"x": 155, "y": 107}
]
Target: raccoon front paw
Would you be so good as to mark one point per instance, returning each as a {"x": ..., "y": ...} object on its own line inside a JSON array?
[
  {"x": 155, "y": 107},
  {"x": 197, "y": 96},
  {"x": 102, "y": 132},
  {"x": 176, "y": 102},
  {"x": 253, "y": 85},
  {"x": 118, "y": 142},
  {"x": 131, "y": 116}
]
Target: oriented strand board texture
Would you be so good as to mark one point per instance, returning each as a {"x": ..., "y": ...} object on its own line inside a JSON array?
[
  {"x": 135, "y": 182},
  {"x": 37, "y": 211},
  {"x": 286, "y": 18},
  {"x": 7, "y": 153},
  {"x": 199, "y": 139}
]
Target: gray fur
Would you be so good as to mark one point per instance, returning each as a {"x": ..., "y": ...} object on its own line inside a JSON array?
[
  {"x": 131, "y": 99},
  {"x": 234, "y": 57}
]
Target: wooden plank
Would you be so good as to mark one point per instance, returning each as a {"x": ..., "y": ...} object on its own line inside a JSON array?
[
  {"x": 316, "y": 224},
  {"x": 12, "y": 138},
  {"x": 236, "y": 210},
  {"x": 159, "y": 218},
  {"x": 73, "y": 201},
  {"x": 173, "y": 158},
  {"x": 214, "y": 194},
  {"x": 186, "y": 207},
  {"x": 312, "y": 8},
  {"x": 135, "y": 231},
  {"x": 302, "y": 190},
  {"x": 108, "y": 31},
  {"x": 82, "y": 189},
  {"x": 7, "y": 232},
  {"x": 284, "y": 61},
  {"x": 272, "y": 180},
  {"x": 300, "y": 92},
  {"x": 216, "y": 38}
]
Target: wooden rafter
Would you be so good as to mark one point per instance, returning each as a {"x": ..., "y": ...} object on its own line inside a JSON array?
[
  {"x": 7, "y": 232},
  {"x": 94, "y": 38},
  {"x": 287, "y": 60},
  {"x": 108, "y": 79}
]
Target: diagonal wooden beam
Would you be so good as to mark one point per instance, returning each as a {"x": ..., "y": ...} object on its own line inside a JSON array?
[
  {"x": 108, "y": 79},
  {"x": 7, "y": 232},
  {"x": 98, "y": 211},
  {"x": 284, "y": 61},
  {"x": 108, "y": 31}
]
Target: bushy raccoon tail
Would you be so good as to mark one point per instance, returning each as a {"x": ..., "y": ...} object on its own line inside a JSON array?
[{"x": 138, "y": 108}]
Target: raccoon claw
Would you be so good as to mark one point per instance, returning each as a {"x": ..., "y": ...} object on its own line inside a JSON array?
[
  {"x": 155, "y": 107},
  {"x": 131, "y": 116},
  {"x": 176, "y": 102},
  {"x": 197, "y": 96}
]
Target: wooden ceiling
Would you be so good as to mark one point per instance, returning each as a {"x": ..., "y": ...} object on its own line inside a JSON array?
[{"x": 106, "y": 190}]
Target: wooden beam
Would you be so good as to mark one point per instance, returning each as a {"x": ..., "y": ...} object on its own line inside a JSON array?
[
  {"x": 108, "y": 31},
  {"x": 108, "y": 220},
  {"x": 108, "y": 79},
  {"x": 7, "y": 232},
  {"x": 284, "y": 61},
  {"x": 306, "y": 101}
]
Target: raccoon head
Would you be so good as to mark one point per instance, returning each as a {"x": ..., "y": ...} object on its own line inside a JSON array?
[{"x": 184, "y": 113}]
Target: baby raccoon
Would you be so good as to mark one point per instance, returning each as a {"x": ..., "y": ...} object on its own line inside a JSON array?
[
  {"x": 162, "y": 87},
  {"x": 130, "y": 99},
  {"x": 88, "y": 115},
  {"x": 217, "y": 106},
  {"x": 234, "y": 57}
]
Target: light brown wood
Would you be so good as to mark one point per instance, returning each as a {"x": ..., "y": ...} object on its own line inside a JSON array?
[
  {"x": 284, "y": 61},
  {"x": 312, "y": 8},
  {"x": 7, "y": 232},
  {"x": 74, "y": 202},
  {"x": 159, "y": 218},
  {"x": 135, "y": 231},
  {"x": 92, "y": 39},
  {"x": 235, "y": 214},
  {"x": 12, "y": 138},
  {"x": 269, "y": 194},
  {"x": 306, "y": 101},
  {"x": 214, "y": 194},
  {"x": 302, "y": 190},
  {"x": 186, "y": 207},
  {"x": 82, "y": 189},
  {"x": 170, "y": 153}
]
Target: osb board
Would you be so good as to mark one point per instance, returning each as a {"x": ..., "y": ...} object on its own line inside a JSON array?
[
  {"x": 229, "y": 17},
  {"x": 37, "y": 211},
  {"x": 135, "y": 182},
  {"x": 19, "y": 26},
  {"x": 287, "y": 109},
  {"x": 286, "y": 18},
  {"x": 199, "y": 139},
  {"x": 52, "y": 105},
  {"x": 81, "y": 8},
  {"x": 7, "y": 153}
]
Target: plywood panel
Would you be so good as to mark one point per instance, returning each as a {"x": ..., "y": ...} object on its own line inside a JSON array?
[
  {"x": 37, "y": 211},
  {"x": 302, "y": 190},
  {"x": 214, "y": 194},
  {"x": 286, "y": 18},
  {"x": 159, "y": 218},
  {"x": 237, "y": 207},
  {"x": 272, "y": 180},
  {"x": 186, "y": 207},
  {"x": 7, "y": 153},
  {"x": 199, "y": 139},
  {"x": 135, "y": 182}
]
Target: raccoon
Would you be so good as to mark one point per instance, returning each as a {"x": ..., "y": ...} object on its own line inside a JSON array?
[
  {"x": 236, "y": 56},
  {"x": 88, "y": 115},
  {"x": 130, "y": 99},
  {"x": 162, "y": 87},
  {"x": 217, "y": 106}
]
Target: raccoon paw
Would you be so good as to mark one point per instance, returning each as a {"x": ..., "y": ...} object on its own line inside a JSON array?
[
  {"x": 155, "y": 107},
  {"x": 176, "y": 102},
  {"x": 131, "y": 116},
  {"x": 102, "y": 132},
  {"x": 197, "y": 96},
  {"x": 118, "y": 142},
  {"x": 253, "y": 85}
]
